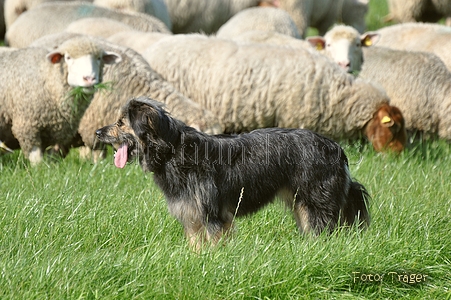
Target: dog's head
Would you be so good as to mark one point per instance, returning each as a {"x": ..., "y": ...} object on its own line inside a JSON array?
[
  {"x": 386, "y": 130},
  {"x": 144, "y": 131}
]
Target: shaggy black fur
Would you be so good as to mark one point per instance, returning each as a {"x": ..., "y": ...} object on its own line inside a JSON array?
[{"x": 207, "y": 180}]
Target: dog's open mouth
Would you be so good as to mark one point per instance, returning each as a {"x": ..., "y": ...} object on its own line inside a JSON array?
[{"x": 121, "y": 156}]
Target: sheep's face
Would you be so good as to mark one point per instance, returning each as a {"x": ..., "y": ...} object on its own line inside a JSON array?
[
  {"x": 84, "y": 67},
  {"x": 387, "y": 131},
  {"x": 343, "y": 44},
  {"x": 83, "y": 71}
]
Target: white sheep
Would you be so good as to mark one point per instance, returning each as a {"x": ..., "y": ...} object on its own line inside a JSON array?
[
  {"x": 259, "y": 18},
  {"x": 37, "y": 107},
  {"x": 270, "y": 38},
  {"x": 252, "y": 86},
  {"x": 58, "y": 15},
  {"x": 322, "y": 14},
  {"x": 99, "y": 27},
  {"x": 203, "y": 15},
  {"x": 156, "y": 8},
  {"x": 418, "y": 10},
  {"x": 132, "y": 77},
  {"x": 6, "y": 49},
  {"x": 416, "y": 82},
  {"x": 343, "y": 44},
  {"x": 14, "y": 8},
  {"x": 433, "y": 38},
  {"x": 136, "y": 40}
]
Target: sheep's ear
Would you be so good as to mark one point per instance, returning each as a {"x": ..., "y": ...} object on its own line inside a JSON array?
[
  {"x": 369, "y": 38},
  {"x": 317, "y": 42},
  {"x": 386, "y": 121},
  {"x": 54, "y": 57},
  {"x": 111, "y": 58}
]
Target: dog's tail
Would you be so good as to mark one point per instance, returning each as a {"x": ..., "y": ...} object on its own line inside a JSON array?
[{"x": 356, "y": 207}]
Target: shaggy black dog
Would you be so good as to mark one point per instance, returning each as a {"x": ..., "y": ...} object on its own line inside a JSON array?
[{"x": 208, "y": 180}]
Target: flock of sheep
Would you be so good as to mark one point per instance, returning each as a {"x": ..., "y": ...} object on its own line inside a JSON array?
[{"x": 223, "y": 66}]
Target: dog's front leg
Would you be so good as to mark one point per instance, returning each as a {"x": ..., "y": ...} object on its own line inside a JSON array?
[
  {"x": 217, "y": 230},
  {"x": 196, "y": 234},
  {"x": 199, "y": 235}
]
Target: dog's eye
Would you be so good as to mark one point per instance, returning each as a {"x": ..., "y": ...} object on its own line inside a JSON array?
[{"x": 119, "y": 123}]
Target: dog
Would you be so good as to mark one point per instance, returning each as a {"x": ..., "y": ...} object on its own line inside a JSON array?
[{"x": 209, "y": 180}]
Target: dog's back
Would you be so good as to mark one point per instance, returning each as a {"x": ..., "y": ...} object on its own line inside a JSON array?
[{"x": 247, "y": 171}]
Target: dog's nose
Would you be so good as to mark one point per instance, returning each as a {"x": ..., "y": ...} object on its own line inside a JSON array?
[{"x": 98, "y": 132}]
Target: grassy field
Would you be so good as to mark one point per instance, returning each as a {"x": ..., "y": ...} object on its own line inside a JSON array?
[{"x": 76, "y": 230}]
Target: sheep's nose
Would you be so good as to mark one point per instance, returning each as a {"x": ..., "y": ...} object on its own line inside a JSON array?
[
  {"x": 344, "y": 64},
  {"x": 91, "y": 80}
]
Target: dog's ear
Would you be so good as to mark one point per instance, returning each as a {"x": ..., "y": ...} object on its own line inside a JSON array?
[
  {"x": 150, "y": 121},
  {"x": 140, "y": 115}
]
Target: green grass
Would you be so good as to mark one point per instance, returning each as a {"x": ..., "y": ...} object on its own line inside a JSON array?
[
  {"x": 79, "y": 97},
  {"x": 378, "y": 10},
  {"x": 75, "y": 230}
]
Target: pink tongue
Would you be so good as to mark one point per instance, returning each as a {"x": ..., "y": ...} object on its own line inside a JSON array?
[{"x": 121, "y": 157}]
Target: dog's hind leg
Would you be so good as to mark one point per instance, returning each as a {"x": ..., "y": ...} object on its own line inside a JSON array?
[
  {"x": 301, "y": 216},
  {"x": 313, "y": 210},
  {"x": 300, "y": 211},
  {"x": 314, "y": 220}
]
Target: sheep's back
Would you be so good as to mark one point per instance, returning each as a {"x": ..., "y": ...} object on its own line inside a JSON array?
[
  {"x": 58, "y": 15},
  {"x": 259, "y": 18},
  {"x": 418, "y": 83},
  {"x": 251, "y": 86}
]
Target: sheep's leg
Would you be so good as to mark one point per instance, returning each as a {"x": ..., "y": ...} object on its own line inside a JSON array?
[
  {"x": 36, "y": 156},
  {"x": 96, "y": 155},
  {"x": 29, "y": 141},
  {"x": 57, "y": 151}
]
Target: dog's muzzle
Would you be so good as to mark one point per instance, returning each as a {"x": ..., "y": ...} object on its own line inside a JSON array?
[
  {"x": 99, "y": 133},
  {"x": 121, "y": 154}
]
